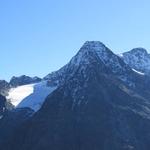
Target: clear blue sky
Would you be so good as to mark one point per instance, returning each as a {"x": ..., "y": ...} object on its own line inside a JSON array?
[{"x": 40, "y": 36}]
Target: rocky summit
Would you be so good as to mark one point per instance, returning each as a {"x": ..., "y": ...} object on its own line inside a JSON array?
[{"x": 139, "y": 59}]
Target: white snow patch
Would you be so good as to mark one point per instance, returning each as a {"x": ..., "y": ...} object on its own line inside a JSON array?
[
  {"x": 16, "y": 95},
  {"x": 31, "y": 96},
  {"x": 141, "y": 73}
]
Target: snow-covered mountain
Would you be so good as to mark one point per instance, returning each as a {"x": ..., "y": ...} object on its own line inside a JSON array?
[
  {"x": 31, "y": 92},
  {"x": 138, "y": 59},
  {"x": 94, "y": 107},
  {"x": 24, "y": 94},
  {"x": 96, "y": 101},
  {"x": 93, "y": 52}
]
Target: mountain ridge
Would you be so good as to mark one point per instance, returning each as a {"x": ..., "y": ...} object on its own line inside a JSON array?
[{"x": 91, "y": 109}]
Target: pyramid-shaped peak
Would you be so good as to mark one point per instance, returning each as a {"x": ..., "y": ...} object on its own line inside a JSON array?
[
  {"x": 94, "y": 55},
  {"x": 95, "y": 46},
  {"x": 95, "y": 52},
  {"x": 92, "y": 50}
]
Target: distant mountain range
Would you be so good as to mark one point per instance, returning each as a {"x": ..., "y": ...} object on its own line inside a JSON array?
[{"x": 98, "y": 101}]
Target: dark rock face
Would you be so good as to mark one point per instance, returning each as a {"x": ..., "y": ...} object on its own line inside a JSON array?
[
  {"x": 9, "y": 124},
  {"x": 2, "y": 105},
  {"x": 22, "y": 80},
  {"x": 4, "y": 86}
]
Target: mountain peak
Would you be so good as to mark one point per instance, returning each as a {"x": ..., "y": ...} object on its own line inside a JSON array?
[
  {"x": 138, "y": 50},
  {"x": 93, "y": 44},
  {"x": 93, "y": 51},
  {"x": 93, "y": 54},
  {"x": 138, "y": 59}
]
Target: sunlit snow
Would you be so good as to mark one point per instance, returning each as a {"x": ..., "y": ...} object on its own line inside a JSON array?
[
  {"x": 16, "y": 95},
  {"x": 32, "y": 95}
]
